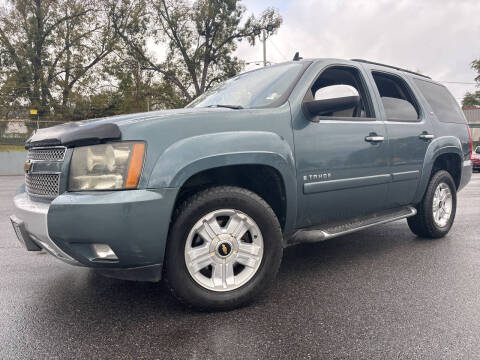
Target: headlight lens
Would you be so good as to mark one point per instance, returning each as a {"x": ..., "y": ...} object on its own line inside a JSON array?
[{"x": 110, "y": 166}]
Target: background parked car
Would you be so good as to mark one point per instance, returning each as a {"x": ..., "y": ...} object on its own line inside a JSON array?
[{"x": 476, "y": 159}]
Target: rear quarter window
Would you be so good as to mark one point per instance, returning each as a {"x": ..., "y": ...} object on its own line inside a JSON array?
[{"x": 441, "y": 101}]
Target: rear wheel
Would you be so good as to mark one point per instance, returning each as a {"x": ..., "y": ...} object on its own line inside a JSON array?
[
  {"x": 436, "y": 212},
  {"x": 224, "y": 248}
]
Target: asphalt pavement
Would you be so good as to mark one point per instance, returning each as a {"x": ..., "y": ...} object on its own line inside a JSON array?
[{"x": 378, "y": 294}]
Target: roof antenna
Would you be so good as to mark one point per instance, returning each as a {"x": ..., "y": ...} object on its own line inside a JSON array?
[{"x": 297, "y": 57}]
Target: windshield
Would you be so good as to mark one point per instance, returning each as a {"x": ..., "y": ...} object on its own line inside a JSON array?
[{"x": 266, "y": 87}]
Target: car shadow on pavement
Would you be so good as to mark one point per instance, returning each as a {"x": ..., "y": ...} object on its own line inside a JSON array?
[
  {"x": 316, "y": 262},
  {"x": 319, "y": 285}
]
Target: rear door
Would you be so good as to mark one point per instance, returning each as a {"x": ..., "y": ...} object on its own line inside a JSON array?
[
  {"x": 409, "y": 133},
  {"x": 341, "y": 157}
]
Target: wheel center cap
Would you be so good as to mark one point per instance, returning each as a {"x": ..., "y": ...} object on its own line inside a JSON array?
[{"x": 224, "y": 249}]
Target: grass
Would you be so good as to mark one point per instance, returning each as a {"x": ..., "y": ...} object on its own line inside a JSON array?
[{"x": 12, "y": 148}]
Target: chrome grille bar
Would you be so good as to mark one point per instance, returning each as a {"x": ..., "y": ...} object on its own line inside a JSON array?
[
  {"x": 56, "y": 153},
  {"x": 42, "y": 184},
  {"x": 40, "y": 181}
]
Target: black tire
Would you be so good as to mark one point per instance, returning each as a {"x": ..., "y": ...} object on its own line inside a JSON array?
[
  {"x": 177, "y": 276},
  {"x": 423, "y": 223}
]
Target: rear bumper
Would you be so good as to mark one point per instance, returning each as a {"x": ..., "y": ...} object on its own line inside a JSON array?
[{"x": 134, "y": 224}]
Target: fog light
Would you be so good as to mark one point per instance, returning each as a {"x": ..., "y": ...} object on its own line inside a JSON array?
[{"x": 103, "y": 252}]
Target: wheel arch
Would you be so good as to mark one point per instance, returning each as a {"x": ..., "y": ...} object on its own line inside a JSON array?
[
  {"x": 443, "y": 153},
  {"x": 251, "y": 153},
  {"x": 264, "y": 180}
]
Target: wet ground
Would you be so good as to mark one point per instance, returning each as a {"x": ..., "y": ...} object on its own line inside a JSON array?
[{"x": 380, "y": 293}]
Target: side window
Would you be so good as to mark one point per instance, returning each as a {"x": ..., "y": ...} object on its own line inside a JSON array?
[
  {"x": 442, "y": 102},
  {"x": 397, "y": 97},
  {"x": 338, "y": 83}
]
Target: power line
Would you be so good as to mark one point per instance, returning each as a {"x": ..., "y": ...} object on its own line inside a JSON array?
[
  {"x": 284, "y": 57},
  {"x": 259, "y": 62},
  {"x": 281, "y": 52}
]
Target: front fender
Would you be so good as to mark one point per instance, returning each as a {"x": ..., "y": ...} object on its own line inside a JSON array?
[
  {"x": 192, "y": 155},
  {"x": 439, "y": 146}
]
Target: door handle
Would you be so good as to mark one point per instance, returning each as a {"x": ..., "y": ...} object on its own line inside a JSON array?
[
  {"x": 426, "y": 136},
  {"x": 374, "y": 138}
]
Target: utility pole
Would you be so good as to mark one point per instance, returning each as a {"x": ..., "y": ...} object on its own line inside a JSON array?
[
  {"x": 264, "y": 48},
  {"x": 137, "y": 87}
]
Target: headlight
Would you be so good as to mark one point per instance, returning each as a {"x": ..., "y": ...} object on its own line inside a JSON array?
[{"x": 108, "y": 166}]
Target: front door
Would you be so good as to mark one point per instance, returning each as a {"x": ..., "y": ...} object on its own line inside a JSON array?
[{"x": 341, "y": 157}]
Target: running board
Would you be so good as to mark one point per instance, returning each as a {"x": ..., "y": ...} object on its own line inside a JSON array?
[{"x": 332, "y": 230}]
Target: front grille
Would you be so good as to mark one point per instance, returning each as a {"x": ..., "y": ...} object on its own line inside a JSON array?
[
  {"x": 46, "y": 154},
  {"x": 46, "y": 185},
  {"x": 43, "y": 178}
]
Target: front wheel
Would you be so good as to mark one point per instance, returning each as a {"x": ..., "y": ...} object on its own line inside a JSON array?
[
  {"x": 224, "y": 248},
  {"x": 436, "y": 212}
]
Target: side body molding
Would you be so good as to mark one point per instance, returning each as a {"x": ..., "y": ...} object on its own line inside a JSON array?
[
  {"x": 439, "y": 146},
  {"x": 190, "y": 156}
]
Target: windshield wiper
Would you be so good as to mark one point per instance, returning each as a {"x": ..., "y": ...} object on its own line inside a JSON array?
[{"x": 235, "y": 107}]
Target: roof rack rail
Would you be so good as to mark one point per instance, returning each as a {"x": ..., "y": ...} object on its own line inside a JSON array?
[{"x": 392, "y": 67}]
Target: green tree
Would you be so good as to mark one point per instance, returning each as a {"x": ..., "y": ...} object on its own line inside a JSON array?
[
  {"x": 50, "y": 46},
  {"x": 476, "y": 67},
  {"x": 472, "y": 99},
  {"x": 200, "y": 38},
  {"x": 76, "y": 59},
  {"x": 83, "y": 43}
]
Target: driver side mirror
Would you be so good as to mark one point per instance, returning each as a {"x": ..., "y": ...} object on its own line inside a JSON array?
[
  {"x": 332, "y": 99},
  {"x": 328, "y": 106}
]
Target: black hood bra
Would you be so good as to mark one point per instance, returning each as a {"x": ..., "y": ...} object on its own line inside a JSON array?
[{"x": 74, "y": 133}]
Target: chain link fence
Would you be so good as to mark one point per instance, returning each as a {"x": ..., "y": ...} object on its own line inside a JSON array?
[
  {"x": 16, "y": 131},
  {"x": 13, "y": 134}
]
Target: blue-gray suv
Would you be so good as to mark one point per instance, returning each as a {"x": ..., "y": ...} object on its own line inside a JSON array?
[{"x": 208, "y": 196}]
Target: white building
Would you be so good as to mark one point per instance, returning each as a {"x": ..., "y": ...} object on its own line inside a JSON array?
[{"x": 473, "y": 118}]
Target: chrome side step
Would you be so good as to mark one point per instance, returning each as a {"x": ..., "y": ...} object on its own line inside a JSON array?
[{"x": 332, "y": 230}]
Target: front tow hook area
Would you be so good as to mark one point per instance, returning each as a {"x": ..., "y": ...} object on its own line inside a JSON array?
[{"x": 22, "y": 234}]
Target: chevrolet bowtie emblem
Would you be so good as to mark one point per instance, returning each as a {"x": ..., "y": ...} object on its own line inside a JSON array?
[
  {"x": 224, "y": 249},
  {"x": 27, "y": 166}
]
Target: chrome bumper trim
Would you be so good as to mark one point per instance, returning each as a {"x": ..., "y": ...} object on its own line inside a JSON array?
[{"x": 34, "y": 216}]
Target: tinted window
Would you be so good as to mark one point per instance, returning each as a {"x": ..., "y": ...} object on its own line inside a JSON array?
[
  {"x": 442, "y": 102},
  {"x": 397, "y": 98},
  {"x": 342, "y": 82}
]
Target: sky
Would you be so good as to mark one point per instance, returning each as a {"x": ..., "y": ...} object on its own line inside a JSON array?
[{"x": 439, "y": 38}]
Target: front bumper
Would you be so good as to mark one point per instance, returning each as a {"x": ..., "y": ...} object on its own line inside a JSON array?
[
  {"x": 133, "y": 223},
  {"x": 30, "y": 225}
]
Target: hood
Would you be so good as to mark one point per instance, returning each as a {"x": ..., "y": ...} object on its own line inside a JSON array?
[{"x": 94, "y": 131}]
